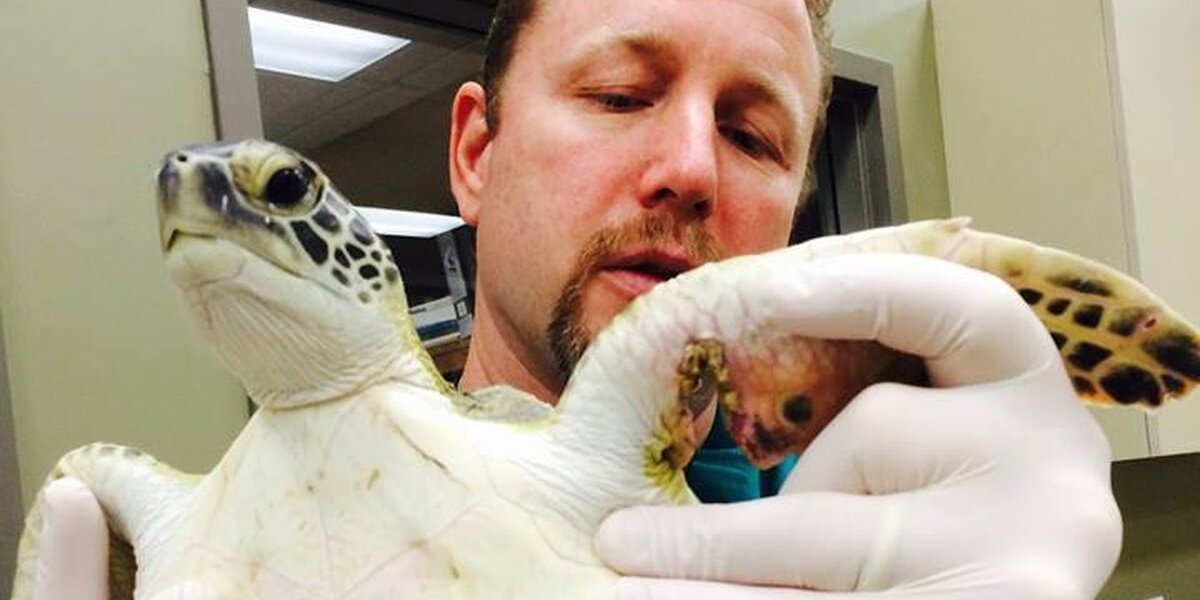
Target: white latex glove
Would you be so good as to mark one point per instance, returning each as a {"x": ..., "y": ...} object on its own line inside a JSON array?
[
  {"x": 73, "y": 550},
  {"x": 73, "y": 553},
  {"x": 993, "y": 487}
]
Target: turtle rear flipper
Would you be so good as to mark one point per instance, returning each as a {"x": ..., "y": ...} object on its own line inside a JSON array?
[{"x": 121, "y": 478}]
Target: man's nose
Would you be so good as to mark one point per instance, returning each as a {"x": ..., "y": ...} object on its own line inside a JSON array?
[{"x": 683, "y": 172}]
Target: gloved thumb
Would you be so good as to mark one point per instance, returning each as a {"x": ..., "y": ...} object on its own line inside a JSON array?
[
  {"x": 814, "y": 540},
  {"x": 73, "y": 559}
]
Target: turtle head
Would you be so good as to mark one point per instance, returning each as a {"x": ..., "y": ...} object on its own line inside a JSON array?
[{"x": 291, "y": 286}]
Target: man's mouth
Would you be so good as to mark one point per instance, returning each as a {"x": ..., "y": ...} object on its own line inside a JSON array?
[{"x": 637, "y": 272}]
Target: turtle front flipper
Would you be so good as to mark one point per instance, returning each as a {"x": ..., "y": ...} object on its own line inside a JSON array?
[
  {"x": 138, "y": 495},
  {"x": 1121, "y": 344}
]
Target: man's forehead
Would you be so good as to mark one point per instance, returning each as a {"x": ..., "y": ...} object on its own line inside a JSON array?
[
  {"x": 778, "y": 50},
  {"x": 777, "y": 29},
  {"x": 792, "y": 6}
]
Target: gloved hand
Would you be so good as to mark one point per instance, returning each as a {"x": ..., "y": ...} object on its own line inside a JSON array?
[
  {"x": 73, "y": 554},
  {"x": 993, "y": 486}
]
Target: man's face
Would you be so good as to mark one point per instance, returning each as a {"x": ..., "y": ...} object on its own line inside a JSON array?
[{"x": 636, "y": 140}]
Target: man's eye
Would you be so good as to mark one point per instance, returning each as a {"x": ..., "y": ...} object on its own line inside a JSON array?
[
  {"x": 620, "y": 102},
  {"x": 750, "y": 143}
]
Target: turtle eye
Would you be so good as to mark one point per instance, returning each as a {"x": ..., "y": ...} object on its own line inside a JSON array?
[{"x": 287, "y": 187}]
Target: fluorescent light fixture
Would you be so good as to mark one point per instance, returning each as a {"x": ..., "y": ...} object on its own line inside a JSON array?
[
  {"x": 315, "y": 49},
  {"x": 387, "y": 221}
]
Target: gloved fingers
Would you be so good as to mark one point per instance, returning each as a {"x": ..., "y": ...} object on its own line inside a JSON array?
[
  {"x": 970, "y": 326},
  {"x": 952, "y": 542},
  {"x": 818, "y": 540},
  {"x": 893, "y": 438},
  {"x": 73, "y": 549}
]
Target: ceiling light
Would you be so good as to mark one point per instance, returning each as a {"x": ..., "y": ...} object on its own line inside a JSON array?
[
  {"x": 386, "y": 221},
  {"x": 315, "y": 49}
]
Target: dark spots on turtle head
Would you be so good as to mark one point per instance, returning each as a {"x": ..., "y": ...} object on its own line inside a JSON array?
[
  {"x": 376, "y": 256},
  {"x": 1058, "y": 306},
  {"x": 132, "y": 453},
  {"x": 1030, "y": 296},
  {"x": 797, "y": 409},
  {"x": 1083, "y": 285},
  {"x": 1060, "y": 340},
  {"x": 361, "y": 230},
  {"x": 1086, "y": 355},
  {"x": 327, "y": 221},
  {"x": 1129, "y": 384},
  {"x": 377, "y": 286},
  {"x": 391, "y": 274},
  {"x": 364, "y": 297},
  {"x": 341, "y": 277},
  {"x": 218, "y": 190},
  {"x": 313, "y": 243},
  {"x": 368, "y": 271},
  {"x": 1125, "y": 320},
  {"x": 1173, "y": 384},
  {"x": 1176, "y": 350},
  {"x": 341, "y": 259},
  {"x": 222, "y": 199},
  {"x": 1083, "y": 386},
  {"x": 1088, "y": 315},
  {"x": 355, "y": 251},
  {"x": 106, "y": 450}
]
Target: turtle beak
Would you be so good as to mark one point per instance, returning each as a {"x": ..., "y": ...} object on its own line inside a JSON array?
[{"x": 168, "y": 179}]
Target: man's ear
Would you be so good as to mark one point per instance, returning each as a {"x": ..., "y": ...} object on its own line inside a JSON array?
[{"x": 470, "y": 140}]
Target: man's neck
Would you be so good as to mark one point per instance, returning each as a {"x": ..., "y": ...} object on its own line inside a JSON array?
[{"x": 496, "y": 359}]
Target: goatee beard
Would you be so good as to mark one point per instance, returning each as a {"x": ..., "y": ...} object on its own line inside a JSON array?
[{"x": 567, "y": 335}]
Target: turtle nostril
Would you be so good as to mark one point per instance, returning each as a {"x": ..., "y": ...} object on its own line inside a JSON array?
[{"x": 181, "y": 157}]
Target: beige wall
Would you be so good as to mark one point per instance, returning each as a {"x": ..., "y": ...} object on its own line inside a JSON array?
[
  {"x": 97, "y": 343},
  {"x": 1084, "y": 136},
  {"x": 900, "y": 32},
  {"x": 1031, "y": 136},
  {"x": 1158, "y": 69}
]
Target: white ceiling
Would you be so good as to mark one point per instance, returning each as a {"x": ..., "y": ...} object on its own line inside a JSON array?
[
  {"x": 400, "y": 102},
  {"x": 307, "y": 113}
]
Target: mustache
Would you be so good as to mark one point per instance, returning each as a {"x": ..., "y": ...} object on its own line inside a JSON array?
[
  {"x": 567, "y": 336},
  {"x": 656, "y": 229}
]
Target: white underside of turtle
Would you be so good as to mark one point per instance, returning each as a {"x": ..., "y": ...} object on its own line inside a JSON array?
[{"x": 365, "y": 475}]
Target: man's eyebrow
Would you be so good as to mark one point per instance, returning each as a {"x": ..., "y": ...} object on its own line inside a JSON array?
[{"x": 652, "y": 47}]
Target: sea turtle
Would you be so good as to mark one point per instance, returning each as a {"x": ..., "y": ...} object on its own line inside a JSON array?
[{"x": 364, "y": 468}]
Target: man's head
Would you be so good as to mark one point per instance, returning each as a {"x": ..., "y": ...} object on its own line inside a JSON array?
[
  {"x": 639, "y": 139},
  {"x": 511, "y": 16}
]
